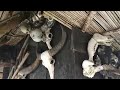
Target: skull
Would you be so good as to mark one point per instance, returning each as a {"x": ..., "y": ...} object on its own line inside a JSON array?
[
  {"x": 48, "y": 62},
  {"x": 89, "y": 70},
  {"x": 37, "y": 35},
  {"x": 46, "y": 56}
]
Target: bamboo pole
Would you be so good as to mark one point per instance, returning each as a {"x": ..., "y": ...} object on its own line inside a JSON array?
[{"x": 20, "y": 65}]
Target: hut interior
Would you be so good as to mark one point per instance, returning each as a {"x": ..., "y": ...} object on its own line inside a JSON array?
[{"x": 55, "y": 44}]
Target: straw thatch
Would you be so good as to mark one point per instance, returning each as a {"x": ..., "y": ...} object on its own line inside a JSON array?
[{"x": 97, "y": 21}]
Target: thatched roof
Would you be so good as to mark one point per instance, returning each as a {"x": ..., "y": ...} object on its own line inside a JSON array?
[
  {"x": 101, "y": 21},
  {"x": 89, "y": 21}
]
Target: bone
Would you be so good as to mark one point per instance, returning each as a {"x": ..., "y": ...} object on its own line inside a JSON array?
[
  {"x": 89, "y": 70},
  {"x": 46, "y": 61},
  {"x": 46, "y": 56},
  {"x": 48, "y": 44},
  {"x": 103, "y": 39},
  {"x": 92, "y": 46},
  {"x": 28, "y": 70},
  {"x": 19, "y": 66},
  {"x": 51, "y": 71},
  {"x": 57, "y": 48},
  {"x": 96, "y": 40},
  {"x": 48, "y": 39}
]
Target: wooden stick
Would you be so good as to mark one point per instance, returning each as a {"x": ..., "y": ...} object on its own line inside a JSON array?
[
  {"x": 31, "y": 68},
  {"x": 27, "y": 70},
  {"x": 22, "y": 49},
  {"x": 20, "y": 65},
  {"x": 88, "y": 21},
  {"x": 11, "y": 72},
  {"x": 9, "y": 18}
]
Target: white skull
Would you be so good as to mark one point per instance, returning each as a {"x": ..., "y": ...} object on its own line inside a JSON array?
[
  {"x": 89, "y": 70},
  {"x": 48, "y": 62},
  {"x": 37, "y": 35},
  {"x": 87, "y": 63}
]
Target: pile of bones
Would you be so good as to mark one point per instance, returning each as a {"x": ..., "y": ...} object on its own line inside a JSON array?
[{"x": 101, "y": 58}]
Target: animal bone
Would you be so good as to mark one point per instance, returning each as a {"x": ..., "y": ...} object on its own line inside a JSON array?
[
  {"x": 96, "y": 40},
  {"x": 43, "y": 34},
  {"x": 46, "y": 28},
  {"x": 48, "y": 38},
  {"x": 38, "y": 36},
  {"x": 21, "y": 63},
  {"x": 48, "y": 35},
  {"x": 89, "y": 70},
  {"x": 25, "y": 71},
  {"x": 46, "y": 56},
  {"x": 103, "y": 40}
]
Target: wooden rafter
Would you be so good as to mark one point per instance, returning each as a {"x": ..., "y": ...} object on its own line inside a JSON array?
[{"x": 88, "y": 21}]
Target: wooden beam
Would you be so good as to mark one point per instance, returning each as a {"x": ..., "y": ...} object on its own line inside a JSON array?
[
  {"x": 88, "y": 21},
  {"x": 20, "y": 65},
  {"x": 110, "y": 32}
]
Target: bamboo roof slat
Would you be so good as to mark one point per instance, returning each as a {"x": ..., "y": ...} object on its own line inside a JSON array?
[{"x": 101, "y": 22}]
